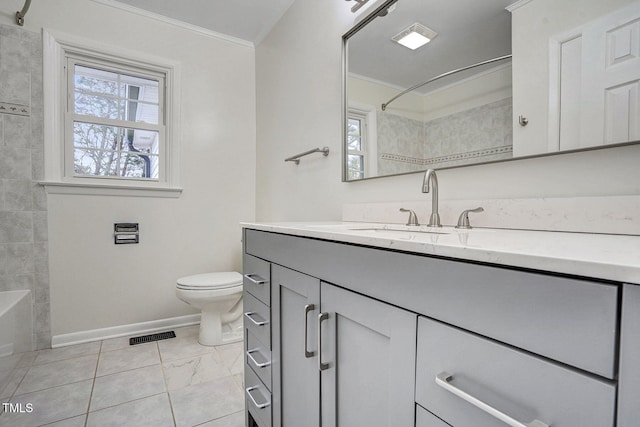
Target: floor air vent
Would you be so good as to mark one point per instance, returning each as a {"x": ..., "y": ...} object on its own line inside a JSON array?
[{"x": 153, "y": 337}]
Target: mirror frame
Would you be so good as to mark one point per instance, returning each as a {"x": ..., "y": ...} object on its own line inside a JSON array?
[{"x": 345, "y": 63}]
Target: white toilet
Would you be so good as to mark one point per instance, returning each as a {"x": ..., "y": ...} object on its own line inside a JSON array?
[{"x": 219, "y": 296}]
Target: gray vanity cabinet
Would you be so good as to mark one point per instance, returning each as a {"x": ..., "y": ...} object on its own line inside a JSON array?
[
  {"x": 368, "y": 361},
  {"x": 358, "y": 337},
  {"x": 296, "y": 379},
  {"x": 365, "y": 336},
  {"x": 629, "y": 379}
]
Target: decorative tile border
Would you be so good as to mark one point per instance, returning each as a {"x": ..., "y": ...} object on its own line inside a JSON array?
[
  {"x": 8, "y": 108},
  {"x": 448, "y": 158}
]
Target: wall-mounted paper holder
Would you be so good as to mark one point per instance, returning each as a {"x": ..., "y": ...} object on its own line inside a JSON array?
[{"x": 126, "y": 232}]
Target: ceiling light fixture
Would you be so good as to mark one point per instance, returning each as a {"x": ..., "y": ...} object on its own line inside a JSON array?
[{"x": 415, "y": 36}]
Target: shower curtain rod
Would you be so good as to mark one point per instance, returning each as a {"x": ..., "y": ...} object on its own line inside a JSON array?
[
  {"x": 489, "y": 61},
  {"x": 20, "y": 14}
]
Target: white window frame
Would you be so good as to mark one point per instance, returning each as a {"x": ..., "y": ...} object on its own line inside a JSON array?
[
  {"x": 367, "y": 114},
  {"x": 59, "y": 171}
]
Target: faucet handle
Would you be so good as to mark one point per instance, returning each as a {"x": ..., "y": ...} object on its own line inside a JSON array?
[
  {"x": 413, "y": 218},
  {"x": 463, "y": 221}
]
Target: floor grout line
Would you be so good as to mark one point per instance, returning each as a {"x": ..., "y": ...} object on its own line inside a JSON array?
[
  {"x": 166, "y": 386},
  {"x": 93, "y": 384}
]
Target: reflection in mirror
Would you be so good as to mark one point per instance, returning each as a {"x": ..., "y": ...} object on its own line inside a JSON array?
[
  {"x": 454, "y": 120},
  {"x": 468, "y": 117}
]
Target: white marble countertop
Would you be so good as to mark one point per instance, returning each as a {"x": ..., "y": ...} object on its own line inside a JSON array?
[{"x": 602, "y": 256}]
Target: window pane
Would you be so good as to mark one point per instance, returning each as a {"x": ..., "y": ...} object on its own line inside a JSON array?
[
  {"x": 144, "y": 89},
  {"x": 99, "y": 106},
  {"x": 116, "y": 96},
  {"x": 87, "y": 135},
  {"x": 95, "y": 162},
  {"x": 142, "y": 113},
  {"x": 355, "y": 167},
  {"x": 137, "y": 166},
  {"x": 354, "y": 127},
  {"x": 113, "y": 151},
  {"x": 354, "y": 143},
  {"x": 88, "y": 79},
  {"x": 143, "y": 141}
]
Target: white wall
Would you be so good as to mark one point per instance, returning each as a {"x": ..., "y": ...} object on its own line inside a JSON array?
[
  {"x": 298, "y": 107},
  {"x": 95, "y": 284}
]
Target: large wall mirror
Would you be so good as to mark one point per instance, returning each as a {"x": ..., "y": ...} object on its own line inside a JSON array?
[{"x": 553, "y": 77}]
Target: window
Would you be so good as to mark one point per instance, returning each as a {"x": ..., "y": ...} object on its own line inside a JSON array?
[
  {"x": 356, "y": 153},
  {"x": 115, "y": 123},
  {"x": 110, "y": 126}
]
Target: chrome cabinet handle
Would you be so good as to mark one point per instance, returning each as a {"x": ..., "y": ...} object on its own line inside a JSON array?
[
  {"x": 443, "y": 379},
  {"x": 321, "y": 317},
  {"x": 307, "y": 309},
  {"x": 258, "y": 280},
  {"x": 254, "y": 361},
  {"x": 248, "y": 390},
  {"x": 248, "y": 315}
]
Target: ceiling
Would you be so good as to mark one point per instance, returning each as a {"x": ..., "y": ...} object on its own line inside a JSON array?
[
  {"x": 249, "y": 20},
  {"x": 469, "y": 31}
]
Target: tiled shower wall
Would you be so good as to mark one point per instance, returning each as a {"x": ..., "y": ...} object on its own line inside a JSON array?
[
  {"x": 23, "y": 206},
  {"x": 479, "y": 134}
]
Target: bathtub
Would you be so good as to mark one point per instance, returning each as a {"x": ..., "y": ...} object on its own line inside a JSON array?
[{"x": 16, "y": 333}]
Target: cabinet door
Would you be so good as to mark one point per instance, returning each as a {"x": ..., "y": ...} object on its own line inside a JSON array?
[
  {"x": 295, "y": 304},
  {"x": 369, "y": 351},
  {"x": 629, "y": 379}
]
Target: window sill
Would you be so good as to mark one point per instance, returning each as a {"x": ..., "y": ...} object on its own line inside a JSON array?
[{"x": 56, "y": 187}]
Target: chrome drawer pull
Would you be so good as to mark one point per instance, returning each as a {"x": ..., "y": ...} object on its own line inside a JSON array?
[
  {"x": 321, "y": 317},
  {"x": 443, "y": 379},
  {"x": 248, "y": 315},
  {"x": 307, "y": 309},
  {"x": 258, "y": 280},
  {"x": 258, "y": 405},
  {"x": 255, "y": 362}
]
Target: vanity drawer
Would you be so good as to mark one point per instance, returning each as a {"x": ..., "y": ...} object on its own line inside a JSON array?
[
  {"x": 257, "y": 319},
  {"x": 515, "y": 383},
  {"x": 425, "y": 418},
  {"x": 257, "y": 398},
  {"x": 258, "y": 358},
  {"x": 257, "y": 278},
  {"x": 567, "y": 319}
]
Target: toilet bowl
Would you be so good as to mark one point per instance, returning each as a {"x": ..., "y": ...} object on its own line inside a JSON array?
[{"x": 219, "y": 297}]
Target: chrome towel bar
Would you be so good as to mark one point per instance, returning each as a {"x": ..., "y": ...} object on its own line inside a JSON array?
[{"x": 296, "y": 158}]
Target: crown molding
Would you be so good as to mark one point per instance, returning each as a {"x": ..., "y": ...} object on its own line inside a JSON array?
[
  {"x": 174, "y": 22},
  {"x": 517, "y": 5}
]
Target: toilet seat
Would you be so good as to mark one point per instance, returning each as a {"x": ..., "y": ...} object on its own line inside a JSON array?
[{"x": 210, "y": 281}]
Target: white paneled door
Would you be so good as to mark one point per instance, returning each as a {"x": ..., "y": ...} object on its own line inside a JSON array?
[{"x": 599, "y": 79}]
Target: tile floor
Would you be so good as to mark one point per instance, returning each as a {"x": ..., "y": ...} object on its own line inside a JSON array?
[{"x": 174, "y": 382}]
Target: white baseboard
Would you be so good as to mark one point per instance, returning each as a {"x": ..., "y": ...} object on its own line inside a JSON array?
[{"x": 123, "y": 330}]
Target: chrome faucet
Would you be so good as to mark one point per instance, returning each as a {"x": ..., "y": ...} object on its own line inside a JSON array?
[{"x": 431, "y": 181}]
